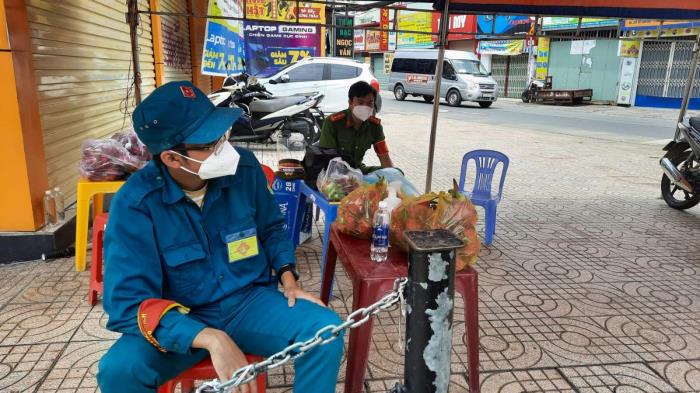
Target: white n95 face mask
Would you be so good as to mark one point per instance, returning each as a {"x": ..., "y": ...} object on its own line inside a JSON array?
[
  {"x": 219, "y": 164},
  {"x": 362, "y": 112}
]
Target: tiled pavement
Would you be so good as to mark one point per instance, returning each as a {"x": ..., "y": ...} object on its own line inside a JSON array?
[{"x": 592, "y": 284}]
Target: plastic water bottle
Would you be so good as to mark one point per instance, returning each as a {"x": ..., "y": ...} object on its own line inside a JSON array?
[
  {"x": 49, "y": 210},
  {"x": 380, "y": 234},
  {"x": 60, "y": 202}
]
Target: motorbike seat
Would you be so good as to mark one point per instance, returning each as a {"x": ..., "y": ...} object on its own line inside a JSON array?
[
  {"x": 695, "y": 123},
  {"x": 274, "y": 104}
]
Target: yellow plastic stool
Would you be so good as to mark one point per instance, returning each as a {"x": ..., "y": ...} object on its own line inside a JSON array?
[{"x": 88, "y": 190}]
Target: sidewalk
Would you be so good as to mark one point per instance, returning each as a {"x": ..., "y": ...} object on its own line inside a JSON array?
[{"x": 592, "y": 283}]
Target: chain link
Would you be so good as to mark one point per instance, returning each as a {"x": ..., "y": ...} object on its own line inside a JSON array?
[{"x": 248, "y": 373}]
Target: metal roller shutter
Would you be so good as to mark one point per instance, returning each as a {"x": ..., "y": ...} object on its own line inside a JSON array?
[
  {"x": 176, "y": 41},
  {"x": 82, "y": 59},
  {"x": 517, "y": 75},
  {"x": 498, "y": 71},
  {"x": 378, "y": 70},
  {"x": 664, "y": 68},
  {"x": 510, "y": 72}
]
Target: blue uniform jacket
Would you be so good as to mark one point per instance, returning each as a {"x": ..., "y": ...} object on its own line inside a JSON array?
[{"x": 159, "y": 244}]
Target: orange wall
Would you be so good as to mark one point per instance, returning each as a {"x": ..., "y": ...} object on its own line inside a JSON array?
[
  {"x": 4, "y": 43},
  {"x": 23, "y": 164},
  {"x": 15, "y": 202}
]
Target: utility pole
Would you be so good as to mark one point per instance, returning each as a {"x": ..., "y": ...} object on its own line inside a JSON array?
[{"x": 132, "y": 18}]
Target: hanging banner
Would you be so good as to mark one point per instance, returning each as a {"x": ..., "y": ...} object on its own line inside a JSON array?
[
  {"x": 559, "y": 23},
  {"x": 419, "y": 22},
  {"x": 359, "y": 40},
  {"x": 285, "y": 11},
  {"x": 223, "y": 49},
  {"x": 271, "y": 46},
  {"x": 501, "y": 47},
  {"x": 384, "y": 25},
  {"x": 511, "y": 24},
  {"x": 542, "y": 64},
  {"x": 629, "y": 48},
  {"x": 344, "y": 36}
]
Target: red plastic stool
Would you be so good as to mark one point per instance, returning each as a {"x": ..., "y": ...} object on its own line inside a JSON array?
[
  {"x": 98, "y": 229},
  {"x": 204, "y": 370},
  {"x": 269, "y": 174}
]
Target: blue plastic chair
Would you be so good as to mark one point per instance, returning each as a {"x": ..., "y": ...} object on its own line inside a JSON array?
[{"x": 481, "y": 195}]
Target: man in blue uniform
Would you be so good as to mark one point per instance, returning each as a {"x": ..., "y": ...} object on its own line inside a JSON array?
[{"x": 189, "y": 248}]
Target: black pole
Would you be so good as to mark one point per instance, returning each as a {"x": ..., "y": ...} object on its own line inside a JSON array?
[
  {"x": 132, "y": 17},
  {"x": 430, "y": 298}
]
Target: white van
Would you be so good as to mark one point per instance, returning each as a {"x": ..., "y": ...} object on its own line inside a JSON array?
[{"x": 464, "y": 78}]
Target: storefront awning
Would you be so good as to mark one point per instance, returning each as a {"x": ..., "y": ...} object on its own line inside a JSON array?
[{"x": 643, "y": 9}]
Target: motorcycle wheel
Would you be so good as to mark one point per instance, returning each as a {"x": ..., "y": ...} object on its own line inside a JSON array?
[
  {"x": 525, "y": 96},
  {"x": 670, "y": 191}
]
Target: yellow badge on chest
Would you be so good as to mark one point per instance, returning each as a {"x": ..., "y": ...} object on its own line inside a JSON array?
[{"x": 242, "y": 245}]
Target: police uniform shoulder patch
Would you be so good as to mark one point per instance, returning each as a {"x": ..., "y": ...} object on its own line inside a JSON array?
[
  {"x": 375, "y": 120},
  {"x": 337, "y": 116}
]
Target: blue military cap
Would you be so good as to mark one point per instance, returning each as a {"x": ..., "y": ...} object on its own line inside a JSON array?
[{"x": 178, "y": 112}]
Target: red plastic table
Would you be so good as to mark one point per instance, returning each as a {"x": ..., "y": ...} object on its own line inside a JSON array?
[{"x": 370, "y": 281}]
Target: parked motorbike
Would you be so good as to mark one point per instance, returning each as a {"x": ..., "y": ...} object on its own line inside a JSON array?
[
  {"x": 680, "y": 184},
  {"x": 264, "y": 115},
  {"x": 530, "y": 94}
]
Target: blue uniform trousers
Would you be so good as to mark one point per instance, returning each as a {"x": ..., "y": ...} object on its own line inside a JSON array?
[{"x": 259, "y": 321}]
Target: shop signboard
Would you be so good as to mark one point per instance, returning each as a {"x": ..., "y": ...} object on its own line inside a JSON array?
[
  {"x": 285, "y": 11},
  {"x": 542, "y": 64},
  {"x": 624, "y": 94},
  {"x": 344, "y": 36},
  {"x": 373, "y": 40},
  {"x": 359, "y": 40},
  {"x": 502, "y": 25},
  {"x": 223, "y": 50},
  {"x": 271, "y": 46},
  {"x": 629, "y": 48},
  {"x": 565, "y": 23},
  {"x": 417, "y": 22}
]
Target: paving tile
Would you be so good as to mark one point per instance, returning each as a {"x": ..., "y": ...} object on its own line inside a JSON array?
[
  {"x": 682, "y": 375},
  {"x": 38, "y": 323},
  {"x": 94, "y": 327},
  {"x": 22, "y": 367},
  {"x": 55, "y": 281},
  {"x": 14, "y": 279},
  {"x": 634, "y": 377},
  {"x": 538, "y": 380},
  {"x": 76, "y": 369}
]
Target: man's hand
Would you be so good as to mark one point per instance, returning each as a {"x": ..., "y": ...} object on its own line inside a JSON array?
[
  {"x": 225, "y": 356},
  {"x": 292, "y": 291}
]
